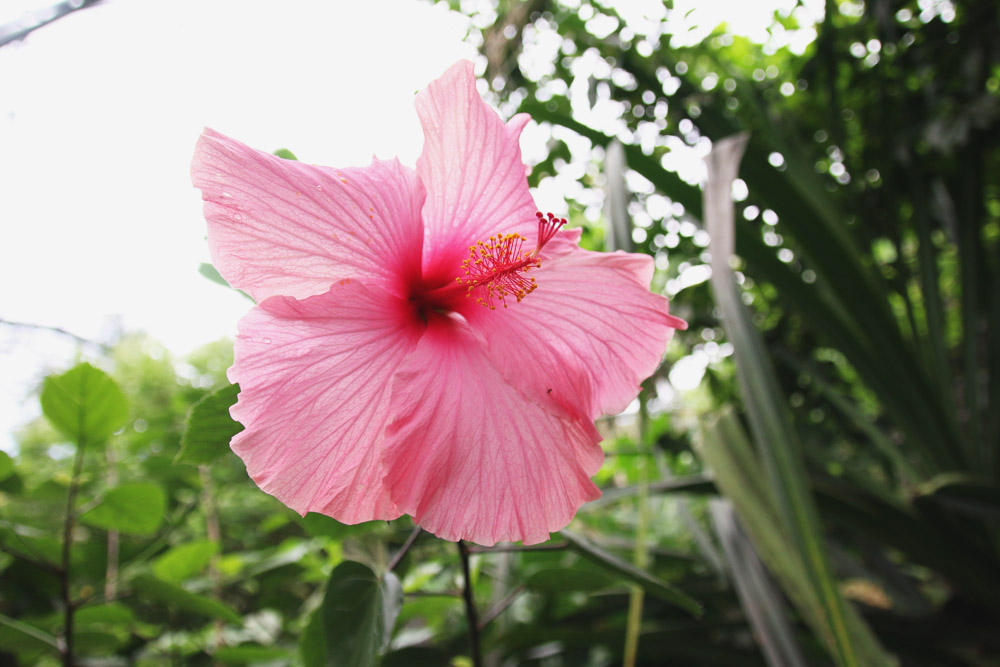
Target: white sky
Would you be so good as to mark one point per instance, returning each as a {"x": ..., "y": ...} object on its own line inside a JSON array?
[{"x": 99, "y": 114}]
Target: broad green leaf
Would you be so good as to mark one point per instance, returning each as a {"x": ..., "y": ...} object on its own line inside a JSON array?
[
  {"x": 184, "y": 560},
  {"x": 651, "y": 584},
  {"x": 285, "y": 154},
  {"x": 84, "y": 404},
  {"x": 112, "y": 613},
  {"x": 136, "y": 508},
  {"x": 358, "y": 613},
  {"x": 6, "y": 466},
  {"x": 210, "y": 428},
  {"x": 150, "y": 587}
]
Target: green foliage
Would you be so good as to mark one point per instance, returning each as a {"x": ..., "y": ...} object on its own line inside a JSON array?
[{"x": 184, "y": 561}]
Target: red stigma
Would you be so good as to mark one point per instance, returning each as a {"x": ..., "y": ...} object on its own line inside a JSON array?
[{"x": 548, "y": 225}]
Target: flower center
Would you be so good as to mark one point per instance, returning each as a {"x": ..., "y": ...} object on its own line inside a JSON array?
[{"x": 499, "y": 264}]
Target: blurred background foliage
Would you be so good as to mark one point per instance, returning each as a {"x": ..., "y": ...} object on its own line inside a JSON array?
[{"x": 826, "y": 494}]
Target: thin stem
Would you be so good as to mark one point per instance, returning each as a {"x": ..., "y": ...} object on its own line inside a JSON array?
[
  {"x": 405, "y": 548},
  {"x": 63, "y": 332},
  {"x": 470, "y": 607},
  {"x": 111, "y": 570},
  {"x": 501, "y": 606},
  {"x": 213, "y": 531},
  {"x": 64, "y": 574}
]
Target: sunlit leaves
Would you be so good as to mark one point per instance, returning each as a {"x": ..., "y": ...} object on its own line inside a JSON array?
[
  {"x": 84, "y": 404},
  {"x": 184, "y": 560}
]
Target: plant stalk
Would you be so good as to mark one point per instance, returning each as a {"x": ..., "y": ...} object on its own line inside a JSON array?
[
  {"x": 64, "y": 570},
  {"x": 472, "y": 619}
]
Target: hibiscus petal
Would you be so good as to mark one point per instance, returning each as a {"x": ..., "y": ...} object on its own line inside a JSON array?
[
  {"x": 588, "y": 335},
  {"x": 471, "y": 457},
  {"x": 281, "y": 227},
  {"x": 471, "y": 166},
  {"x": 314, "y": 381}
]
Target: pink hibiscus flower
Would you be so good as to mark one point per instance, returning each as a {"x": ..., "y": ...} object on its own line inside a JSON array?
[{"x": 424, "y": 342}]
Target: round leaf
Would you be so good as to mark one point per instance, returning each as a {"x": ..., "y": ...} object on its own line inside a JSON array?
[
  {"x": 358, "y": 614},
  {"x": 84, "y": 404}
]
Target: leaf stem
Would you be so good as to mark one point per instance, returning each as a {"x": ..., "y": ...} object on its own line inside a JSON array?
[
  {"x": 470, "y": 607},
  {"x": 410, "y": 540}
]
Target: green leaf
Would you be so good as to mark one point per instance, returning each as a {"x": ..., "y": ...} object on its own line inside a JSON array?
[
  {"x": 212, "y": 274},
  {"x": 285, "y": 154},
  {"x": 109, "y": 614},
  {"x": 6, "y": 465},
  {"x": 84, "y": 404},
  {"x": 358, "y": 613},
  {"x": 150, "y": 587},
  {"x": 136, "y": 508},
  {"x": 651, "y": 584},
  {"x": 210, "y": 428},
  {"x": 184, "y": 560}
]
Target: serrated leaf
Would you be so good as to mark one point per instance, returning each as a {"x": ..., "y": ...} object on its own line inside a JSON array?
[
  {"x": 651, "y": 584},
  {"x": 184, "y": 560},
  {"x": 84, "y": 403},
  {"x": 210, "y": 428},
  {"x": 356, "y": 618},
  {"x": 149, "y": 586},
  {"x": 136, "y": 508}
]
